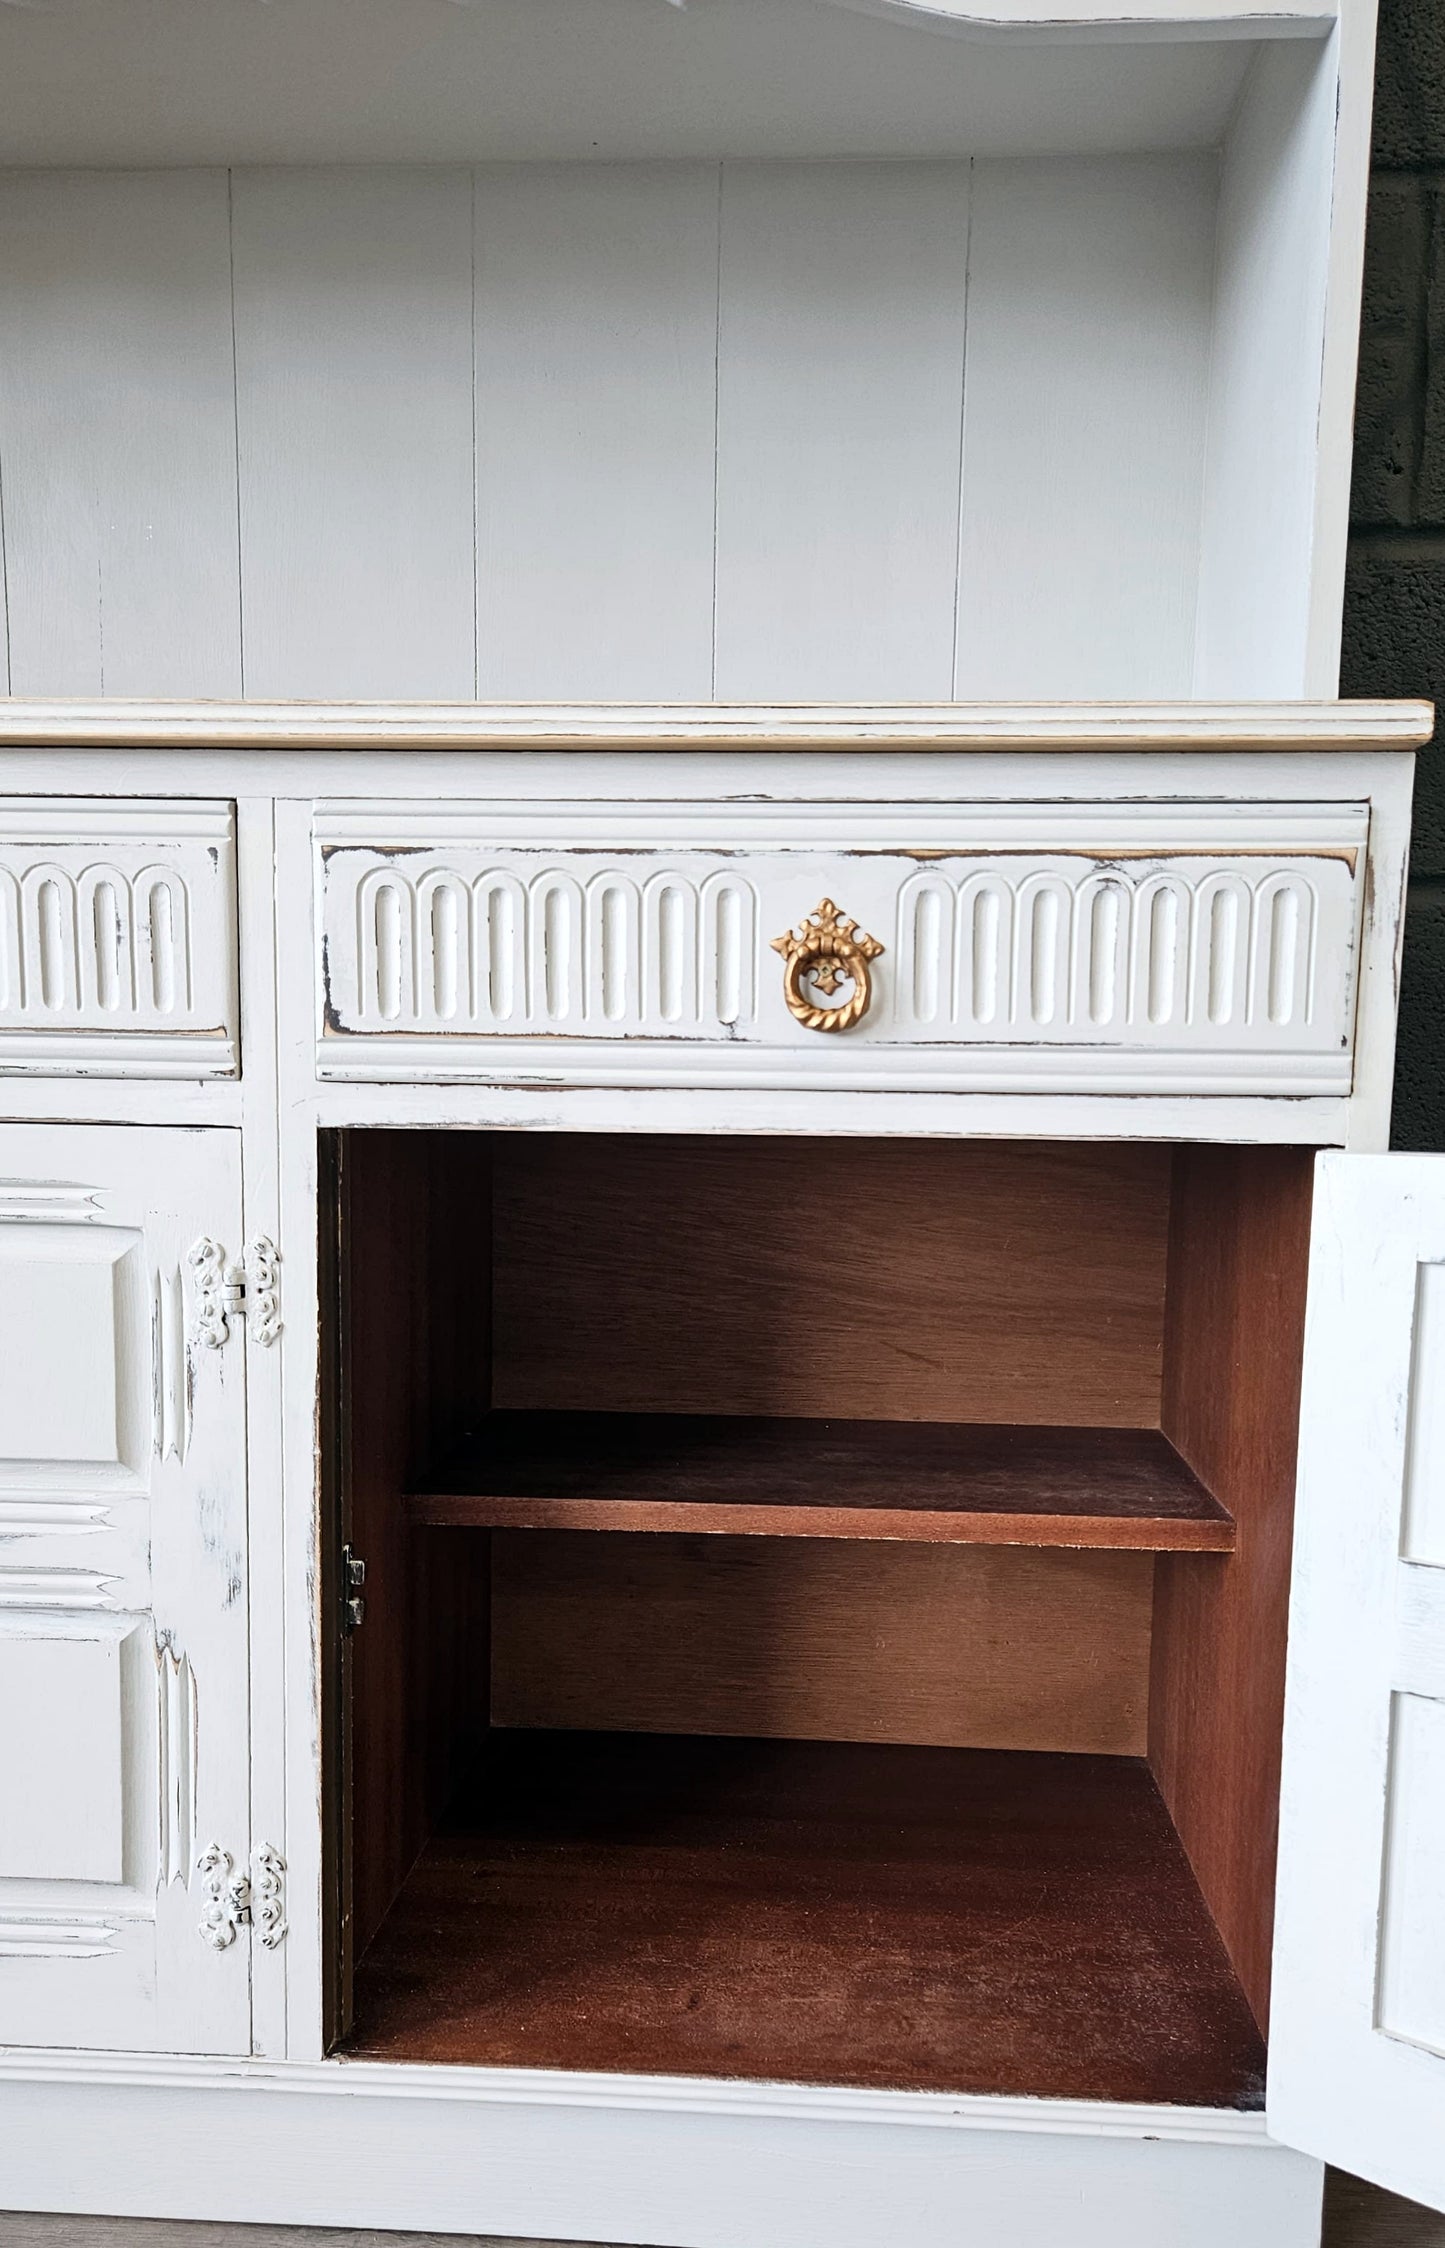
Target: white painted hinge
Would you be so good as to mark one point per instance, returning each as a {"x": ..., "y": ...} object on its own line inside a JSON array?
[
  {"x": 235, "y": 1899},
  {"x": 250, "y": 1290}
]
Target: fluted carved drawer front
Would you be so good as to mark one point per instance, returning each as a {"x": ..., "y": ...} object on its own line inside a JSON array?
[
  {"x": 117, "y": 937},
  {"x": 1198, "y": 948}
]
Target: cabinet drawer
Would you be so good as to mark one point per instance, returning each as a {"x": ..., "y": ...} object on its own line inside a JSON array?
[
  {"x": 117, "y": 938},
  {"x": 1085, "y": 947}
]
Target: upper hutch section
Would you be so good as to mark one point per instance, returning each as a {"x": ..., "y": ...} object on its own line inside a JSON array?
[{"x": 842, "y": 350}]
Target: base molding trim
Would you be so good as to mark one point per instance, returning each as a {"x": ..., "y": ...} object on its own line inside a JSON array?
[{"x": 338, "y": 2145}]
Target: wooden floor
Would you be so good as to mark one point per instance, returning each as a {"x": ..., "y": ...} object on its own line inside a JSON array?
[
  {"x": 814, "y": 1912},
  {"x": 1356, "y": 2216}
]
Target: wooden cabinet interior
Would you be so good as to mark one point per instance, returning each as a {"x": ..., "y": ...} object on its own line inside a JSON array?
[{"x": 969, "y": 1779}]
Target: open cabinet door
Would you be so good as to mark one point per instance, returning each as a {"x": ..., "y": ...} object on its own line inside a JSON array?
[
  {"x": 123, "y": 1595},
  {"x": 1357, "y": 2038}
]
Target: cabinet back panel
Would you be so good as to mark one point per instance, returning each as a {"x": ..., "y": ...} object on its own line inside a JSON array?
[
  {"x": 884, "y": 1279},
  {"x": 946, "y": 1646},
  {"x": 715, "y": 413}
]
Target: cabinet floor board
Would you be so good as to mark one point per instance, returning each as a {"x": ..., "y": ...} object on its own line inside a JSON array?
[
  {"x": 933, "y": 1482},
  {"x": 931, "y": 1919}
]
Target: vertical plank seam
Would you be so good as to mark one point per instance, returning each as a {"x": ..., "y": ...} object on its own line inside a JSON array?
[
  {"x": 1208, "y": 442},
  {"x": 962, "y": 428},
  {"x": 5, "y": 576},
  {"x": 476, "y": 512},
  {"x": 236, "y": 426},
  {"x": 716, "y": 425}
]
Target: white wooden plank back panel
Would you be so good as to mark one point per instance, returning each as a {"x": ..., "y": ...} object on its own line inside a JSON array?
[
  {"x": 1357, "y": 2037},
  {"x": 694, "y": 466},
  {"x": 1255, "y": 582},
  {"x": 117, "y": 434},
  {"x": 596, "y": 349},
  {"x": 840, "y": 369},
  {"x": 1088, "y": 360},
  {"x": 353, "y": 297}
]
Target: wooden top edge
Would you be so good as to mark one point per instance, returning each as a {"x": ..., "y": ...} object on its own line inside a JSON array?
[{"x": 116, "y": 724}]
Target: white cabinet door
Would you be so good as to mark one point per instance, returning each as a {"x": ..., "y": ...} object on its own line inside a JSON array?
[
  {"x": 1357, "y": 2041},
  {"x": 123, "y": 1597}
]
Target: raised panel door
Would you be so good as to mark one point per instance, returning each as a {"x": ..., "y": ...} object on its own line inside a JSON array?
[{"x": 123, "y": 1592}]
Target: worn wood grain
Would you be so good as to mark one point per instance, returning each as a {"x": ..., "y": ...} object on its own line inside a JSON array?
[
  {"x": 819, "y": 1914},
  {"x": 413, "y": 1347},
  {"x": 961, "y": 1646},
  {"x": 930, "y": 1482},
  {"x": 1233, "y": 1354},
  {"x": 907, "y": 1280}
]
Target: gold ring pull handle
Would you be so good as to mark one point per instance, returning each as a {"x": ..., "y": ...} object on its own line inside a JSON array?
[{"x": 828, "y": 950}]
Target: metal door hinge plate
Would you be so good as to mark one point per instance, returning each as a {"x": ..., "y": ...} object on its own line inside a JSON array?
[
  {"x": 233, "y": 1900},
  {"x": 222, "y": 1291},
  {"x": 353, "y": 1577}
]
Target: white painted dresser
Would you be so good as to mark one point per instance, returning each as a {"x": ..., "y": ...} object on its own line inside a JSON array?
[
  {"x": 1160, "y": 924},
  {"x": 584, "y": 575}
]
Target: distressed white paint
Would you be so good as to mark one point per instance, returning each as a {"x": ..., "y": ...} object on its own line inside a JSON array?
[
  {"x": 1088, "y": 362},
  {"x": 1357, "y": 2066},
  {"x": 123, "y": 1569},
  {"x": 1104, "y": 947},
  {"x": 117, "y": 938},
  {"x": 353, "y": 318},
  {"x": 781, "y": 729},
  {"x": 596, "y": 350},
  {"x": 547, "y": 2153},
  {"x": 117, "y": 434}
]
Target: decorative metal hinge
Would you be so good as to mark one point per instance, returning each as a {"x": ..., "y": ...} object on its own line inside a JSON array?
[
  {"x": 268, "y": 1894},
  {"x": 250, "y": 1290},
  {"x": 353, "y": 1577},
  {"x": 233, "y": 1900}
]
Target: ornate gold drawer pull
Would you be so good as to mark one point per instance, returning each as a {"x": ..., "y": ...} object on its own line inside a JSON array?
[{"x": 829, "y": 950}]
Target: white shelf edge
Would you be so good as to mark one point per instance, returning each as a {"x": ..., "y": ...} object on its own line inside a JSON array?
[
  {"x": 1193, "y": 19},
  {"x": 65, "y": 724}
]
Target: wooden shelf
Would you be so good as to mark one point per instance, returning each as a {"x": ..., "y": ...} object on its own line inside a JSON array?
[
  {"x": 935, "y": 1919},
  {"x": 929, "y": 1482}
]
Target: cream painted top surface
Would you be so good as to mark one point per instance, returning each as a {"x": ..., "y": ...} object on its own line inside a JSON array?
[{"x": 1089, "y": 727}]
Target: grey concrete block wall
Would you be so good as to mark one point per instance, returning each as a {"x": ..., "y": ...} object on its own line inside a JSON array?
[{"x": 1394, "y": 636}]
